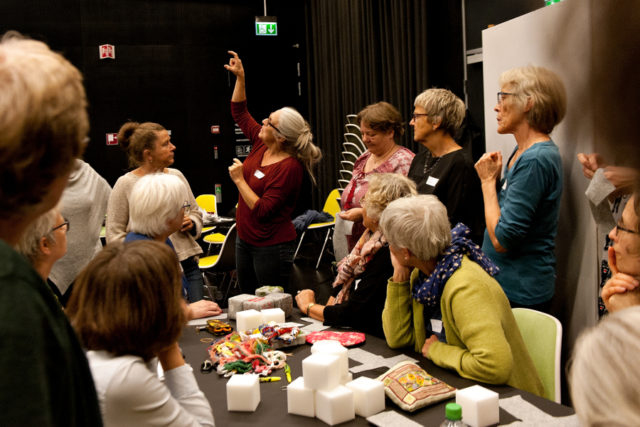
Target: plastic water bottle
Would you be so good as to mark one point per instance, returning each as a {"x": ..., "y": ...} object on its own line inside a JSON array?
[{"x": 453, "y": 416}]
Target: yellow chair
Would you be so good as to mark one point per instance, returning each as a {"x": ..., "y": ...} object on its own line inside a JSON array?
[
  {"x": 225, "y": 261},
  {"x": 208, "y": 203},
  {"x": 331, "y": 206}
]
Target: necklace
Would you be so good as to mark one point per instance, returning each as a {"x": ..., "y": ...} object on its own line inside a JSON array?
[{"x": 430, "y": 162}]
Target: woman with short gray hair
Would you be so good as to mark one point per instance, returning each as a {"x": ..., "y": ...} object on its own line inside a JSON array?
[
  {"x": 522, "y": 207},
  {"x": 449, "y": 307},
  {"x": 45, "y": 242},
  {"x": 444, "y": 169},
  {"x": 359, "y": 289}
]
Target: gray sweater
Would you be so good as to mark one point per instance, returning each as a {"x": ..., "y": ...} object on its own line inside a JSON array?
[
  {"x": 118, "y": 215},
  {"x": 84, "y": 203}
]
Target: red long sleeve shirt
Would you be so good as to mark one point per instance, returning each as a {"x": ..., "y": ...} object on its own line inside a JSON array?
[{"x": 277, "y": 186}]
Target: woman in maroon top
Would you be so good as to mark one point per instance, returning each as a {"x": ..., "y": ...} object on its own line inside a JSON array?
[{"x": 269, "y": 183}]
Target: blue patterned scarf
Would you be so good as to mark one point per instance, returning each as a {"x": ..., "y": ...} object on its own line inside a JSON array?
[{"x": 428, "y": 290}]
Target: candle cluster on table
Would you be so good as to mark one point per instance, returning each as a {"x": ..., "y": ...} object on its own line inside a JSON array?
[{"x": 326, "y": 389}]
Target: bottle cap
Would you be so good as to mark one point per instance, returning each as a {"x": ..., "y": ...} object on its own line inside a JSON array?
[{"x": 453, "y": 411}]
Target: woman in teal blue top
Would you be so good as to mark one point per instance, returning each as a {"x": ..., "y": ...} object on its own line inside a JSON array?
[{"x": 521, "y": 208}]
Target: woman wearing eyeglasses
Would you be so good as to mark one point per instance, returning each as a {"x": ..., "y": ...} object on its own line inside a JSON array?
[
  {"x": 444, "y": 169},
  {"x": 150, "y": 150},
  {"x": 268, "y": 182},
  {"x": 521, "y": 208}
]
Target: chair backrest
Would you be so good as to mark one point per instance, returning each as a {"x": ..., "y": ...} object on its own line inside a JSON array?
[
  {"x": 331, "y": 205},
  {"x": 542, "y": 334},
  {"x": 227, "y": 256},
  {"x": 207, "y": 202}
]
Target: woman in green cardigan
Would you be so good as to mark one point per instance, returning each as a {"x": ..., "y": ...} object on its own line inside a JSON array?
[{"x": 449, "y": 307}]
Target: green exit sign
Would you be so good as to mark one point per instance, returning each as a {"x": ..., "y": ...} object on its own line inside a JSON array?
[{"x": 266, "y": 26}]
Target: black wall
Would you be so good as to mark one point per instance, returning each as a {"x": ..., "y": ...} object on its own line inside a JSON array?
[{"x": 169, "y": 69}]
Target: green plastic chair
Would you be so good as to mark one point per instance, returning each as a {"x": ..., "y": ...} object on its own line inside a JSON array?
[{"x": 542, "y": 334}]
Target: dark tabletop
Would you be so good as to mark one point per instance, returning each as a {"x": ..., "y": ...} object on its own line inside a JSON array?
[{"x": 273, "y": 405}]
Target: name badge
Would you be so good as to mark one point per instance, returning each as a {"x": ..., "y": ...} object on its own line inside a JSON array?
[
  {"x": 436, "y": 325},
  {"x": 258, "y": 174},
  {"x": 432, "y": 181}
]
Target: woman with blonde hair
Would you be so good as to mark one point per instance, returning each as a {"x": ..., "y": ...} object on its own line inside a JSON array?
[
  {"x": 522, "y": 208},
  {"x": 269, "y": 182},
  {"x": 127, "y": 308},
  {"x": 150, "y": 150},
  {"x": 359, "y": 289}
]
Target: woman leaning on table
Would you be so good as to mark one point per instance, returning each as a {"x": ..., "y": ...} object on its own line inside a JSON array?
[
  {"x": 127, "y": 309},
  {"x": 381, "y": 128},
  {"x": 521, "y": 209},
  {"x": 443, "y": 301},
  {"x": 269, "y": 184},
  {"x": 150, "y": 150},
  {"x": 360, "y": 286}
]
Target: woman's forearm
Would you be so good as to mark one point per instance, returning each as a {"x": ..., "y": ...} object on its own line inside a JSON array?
[
  {"x": 491, "y": 212},
  {"x": 171, "y": 357},
  {"x": 247, "y": 194},
  {"x": 239, "y": 93}
]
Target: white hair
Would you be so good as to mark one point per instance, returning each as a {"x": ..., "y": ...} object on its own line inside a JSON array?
[
  {"x": 604, "y": 378},
  {"x": 155, "y": 199},
  {"x": 29, "y": 244},
  {"x": 419, "y": 224}
]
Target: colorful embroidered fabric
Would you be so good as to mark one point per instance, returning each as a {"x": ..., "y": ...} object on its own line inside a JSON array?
[{"x": 411, "y": 387}]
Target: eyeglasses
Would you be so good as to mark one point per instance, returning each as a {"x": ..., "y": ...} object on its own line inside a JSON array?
[
  {"x": 501, "y": 96},
  {"x": 416, "y": 115},
  {"x": 271, "y": 124},
  {"x": 64, "y": 224},
  {"x": 621, "y": 228},
  {"x": 186, "y": 205}
]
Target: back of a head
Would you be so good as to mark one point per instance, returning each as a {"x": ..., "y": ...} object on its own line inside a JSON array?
[
  {"x": 128, "y": 300},
  {"x": 134, "y": 138},
  {"x": 604, "y": 379},
  {"x": 547, "y": 93},
  {"x": 43, "y": 122},
  {"x": 155, "y": 199},
  {"x": 419, "y": 223},
  {"x": 382, "y": 117},
  {"x": 298, "y": 138},
  {"x": 385, "y": 188},
  {"x": 443, "y": 107}
]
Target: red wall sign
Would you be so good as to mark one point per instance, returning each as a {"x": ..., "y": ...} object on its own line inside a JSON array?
[
  {"x": 107, "y": 51},
  {"x": 112, "y": 139}
]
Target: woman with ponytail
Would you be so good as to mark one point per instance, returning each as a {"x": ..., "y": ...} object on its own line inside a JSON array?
[{"x": 269, "y": 183}]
